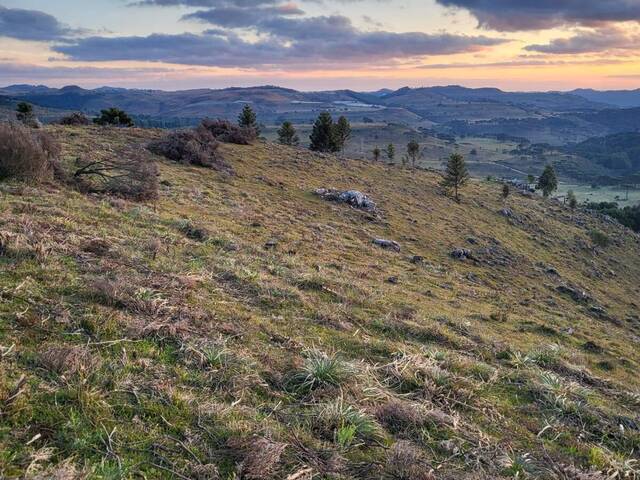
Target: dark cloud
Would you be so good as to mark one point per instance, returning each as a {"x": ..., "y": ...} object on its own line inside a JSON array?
[
  {"x": 513, "y": 15},
  {"x": 202, "y": 3},
  {"x": 31, "y": 25},
  {"x": 306, "y": 43},
  {"x": 592, "y": 41}
]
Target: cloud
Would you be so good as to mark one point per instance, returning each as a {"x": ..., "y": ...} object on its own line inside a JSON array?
[
  {"x": 519, "y": 63},
  {"x": 514, "y": 15},
  {"x": 202, "y": 3},
  {"x": 242, "y": 17},
  {"x": 314, "y": 42},
  {"x": 591, "y": 41},
  {"x": 31, "y": 25}
]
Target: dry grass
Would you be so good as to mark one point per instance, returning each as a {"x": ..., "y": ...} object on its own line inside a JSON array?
[{"x": 26, "y": 154}]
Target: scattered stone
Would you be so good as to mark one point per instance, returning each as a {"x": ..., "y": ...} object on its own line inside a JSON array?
[
  {"x": 387, "y": 244},
  {"x": 417, "y": 260},
  {"x": 598, "y": 310},
  {"x": 472, "y": 240},
  {"x": 353, "y": 197},
  {"x": 576, "y": 295},
  {"x": 462, "y": 254},
  {"x": 393, "y": 280},
  {"x": 506, "y": 212},
  {"x": 273, "y": 243},
  {"x": 592, "y": 347}
]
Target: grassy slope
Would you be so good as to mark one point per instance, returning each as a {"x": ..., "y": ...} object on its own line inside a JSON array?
[{"x": 165, "y": 353}]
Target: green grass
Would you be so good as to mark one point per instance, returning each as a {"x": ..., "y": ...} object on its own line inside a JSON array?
[{"x": 186, "y": 340}]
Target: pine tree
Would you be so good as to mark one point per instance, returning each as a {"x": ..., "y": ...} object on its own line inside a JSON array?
[
  {"x": 572, "y": 201},
  {"x": 24, "y": 113},
  {"x": 341, "y": 133},
  {"x": 391, "y": 152},
  {"x": 287, "y": 134},
  {"x": 505, "y": 191},
  {"x": 413, "y": 151},
  {"x": 456, "y": 175},
  {"x": 248, "y": 119},
  {"x": 114, "y": 116},
  {"x": 548, "y": 181},
  {"x": 376, "y": 154},
  {"x": 321, "y": 137}
]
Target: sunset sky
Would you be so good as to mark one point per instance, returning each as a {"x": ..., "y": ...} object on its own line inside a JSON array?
[{"x": 322, "y": 44}]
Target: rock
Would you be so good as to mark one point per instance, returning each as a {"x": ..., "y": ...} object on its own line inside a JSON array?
[
  {"x": 352, "y": 197},
  {"x": 387, "y": 244},
  {"x": 577, "y": 295},
  {"x": 599, "y": 311},
  {"x": 393, "y": 280},
  {"x": 592, "y": 347},
  {"x": 417, "y": 260},
  {"x": 506, "y": 212},
  {"x": 273, "y": 243},
  {"x": 462, "y": 254},
  {"x": 472, "y": 240}
]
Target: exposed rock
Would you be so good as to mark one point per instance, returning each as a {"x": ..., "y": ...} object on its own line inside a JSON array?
[
  {"x": 592, "y": 347},
  {"x": 576, "y": 294},
  {"x": 393, "y": 280},
  {"x": 472, "y": 240},
  {"x": 506, "y": 212},
  {"x": 462, "y": 254},
  {"x": 387, "y": 244},
  {"x": 353, "y": 197},
  {"x": 417, "y": 260},
  {"x": 273, "y": 243}
]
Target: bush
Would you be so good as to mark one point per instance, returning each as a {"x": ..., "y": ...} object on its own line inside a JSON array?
[
  {"x": 25, "y": 154},
  {"x": 227, "y": 132},
  {"x": 128, "y": 175},
  {"x": 193, "y": 147},
  {"x": 599, "y": 238},
  {"x": 114, "y": 116},
  {"x": 76, "y": 118}
]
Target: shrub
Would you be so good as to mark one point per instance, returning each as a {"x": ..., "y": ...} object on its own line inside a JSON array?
[
  {"x": 27, "y": 155},
  {"x": 195, "y": 147},
  {"x": 128, "y": 175},
  {"x": 24, "y": 114},
  {"x": 76, "y": 118},
  {"x": 599, "y": 238},
  {"x": 227, "y": 132},
  {"x": 114, "y": 116}
]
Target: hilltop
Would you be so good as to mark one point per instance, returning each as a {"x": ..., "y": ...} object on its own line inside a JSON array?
[{"x": 241, "y": 326}]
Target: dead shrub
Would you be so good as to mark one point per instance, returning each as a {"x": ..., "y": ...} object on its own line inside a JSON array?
[
  {"x": 98, "y": 246},
  {"x": 194, "y": 147},
  {"x": 127, "y": 174},
  {"x": 26, "y": 154},
  {"x": 227, "y": 132},
  {"x": 408, "y": 462},
  {"x": 400, "y": 417},
  {"x": 66, "y": 360},
  {"x": 75, "y": 119},
  {"x": 262, "y": 458}
]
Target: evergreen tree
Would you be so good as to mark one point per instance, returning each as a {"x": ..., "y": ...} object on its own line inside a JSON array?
[
  {"x": 247, "y": 119},
  {"x": 531, "y": 179},
  {"x": 24, "y": 114},
  {"x": 548, "y": 181},
  {"x": 114, "y": 116},
  {"x": 505, "y": 191},
  {"x": 287, "y": 134},
  {"x": 376, "y": 154},
  {"x": 456, "y": 175},
  {"x": 321, "y": 137},
  {"x": 413, "y": 151},
  {"x": 391, "y": 152},
  {"x": 572, "y": 201},
  {"x": 341, "y": 133}
]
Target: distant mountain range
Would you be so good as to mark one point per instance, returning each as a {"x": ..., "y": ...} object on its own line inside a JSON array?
[{"x": 546, "y": 117}]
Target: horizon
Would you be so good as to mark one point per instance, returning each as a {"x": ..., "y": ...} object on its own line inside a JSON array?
[
  {"x": 314, "y": 45},
  {"x": 229, "y": 87}
]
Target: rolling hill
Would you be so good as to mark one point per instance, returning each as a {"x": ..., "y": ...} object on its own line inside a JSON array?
[{"x": 241, "y": 326}]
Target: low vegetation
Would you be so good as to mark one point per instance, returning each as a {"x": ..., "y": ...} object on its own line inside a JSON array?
[
  {"x": 26, "y": 154},
  {"x": 241, "y": 327}
]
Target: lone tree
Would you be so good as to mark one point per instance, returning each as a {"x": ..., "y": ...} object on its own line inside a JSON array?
[
  {"x": 247, "y": 119},
  {"x": 391, "y": 152},
  {"x": 341, "y": 133},
  {"x": 114, "y": 116},
  {"x": 376, "y": 154},
  {"x": 24, "y": 114},
  {"x": 505, "y": 191},
  {"x": 287, "y": 134},
  {"x": 456, "y": 175},
  {"x": 322, "y": 136},
  {"x": 572, "y": 201},
  {"x": 413, "y": 151},
  {"x": 548, "y": 181}
]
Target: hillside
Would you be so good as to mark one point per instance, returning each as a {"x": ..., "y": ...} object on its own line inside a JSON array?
[{"x": 242, "y": 327}]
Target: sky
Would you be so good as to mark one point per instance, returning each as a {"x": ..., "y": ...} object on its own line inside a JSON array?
[{"x": 365, "y": 45}]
